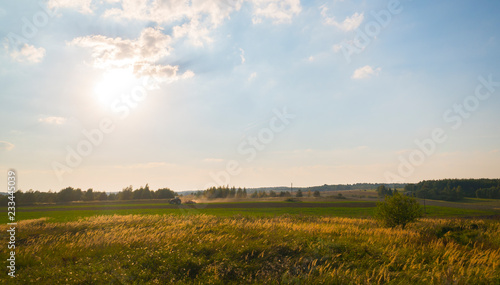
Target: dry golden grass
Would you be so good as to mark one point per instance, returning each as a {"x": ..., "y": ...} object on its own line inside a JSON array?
[{"x": 204, "y": 249}]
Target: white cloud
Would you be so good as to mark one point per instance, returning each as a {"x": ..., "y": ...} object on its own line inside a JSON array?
[
  {"x": 196, "y": 33},
  {"x": 211, "y": 13},
  {"x": 279, "y": 11},
  {"x": 53, "y": 120},
  {"x": 198, "y": 17},
  {"x": 242, "y": 56},
  {"x": 162, "y": 73},
  {"x": 28, "y": 54},
  {"x": 168, "y": 11},
  {"x": 82, "y": 6},
  {"x": 252, "y": 76},
  {"x": 216, "y": 10},
  {"x": 349, "y": 23},
  {"x": 143, "y": 69},
  {"x": 193, "y": 19},
  {"x": 187, "y": 74},
  {"x": 109, "y": 52},
  {"x": 365, "y": 72},
  {"x": 151, "y": 45},
  {"x": 352, "y": 23},
  {"x": 6, "y": 146},
  {"x": 138, "y": 55}
]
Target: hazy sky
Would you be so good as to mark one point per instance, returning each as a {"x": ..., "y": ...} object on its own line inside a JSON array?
[{"x": 187, "y": 94}]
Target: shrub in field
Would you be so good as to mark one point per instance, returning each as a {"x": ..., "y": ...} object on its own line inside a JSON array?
[{"x": 398, "y": 210}]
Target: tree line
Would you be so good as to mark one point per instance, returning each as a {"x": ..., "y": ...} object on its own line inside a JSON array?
[
  {"x": 383, "y": 191},
  {"x": 70, "y": 194},
  {"x": 488, "y": 193},
  {"x": 222, "y": 192},
  {"x": 357, "y": 186},
  {"x": 272, "y": 193},
  {"x": 455, "y": 189}
]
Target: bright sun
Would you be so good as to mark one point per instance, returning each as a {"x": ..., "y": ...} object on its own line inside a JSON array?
[{"x": 113, "y": 84}]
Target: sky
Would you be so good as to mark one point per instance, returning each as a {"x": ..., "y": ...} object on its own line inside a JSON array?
[{"x": 251, "y": 93}]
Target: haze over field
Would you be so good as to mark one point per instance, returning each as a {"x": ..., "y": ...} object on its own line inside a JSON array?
[{"x": 190, "y": 94}]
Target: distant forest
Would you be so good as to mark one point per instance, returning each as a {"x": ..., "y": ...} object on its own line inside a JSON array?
[
  {"x": 446, "y": 189},
  {"x": 357, "y": 186},
  {"x": 71, "y": 194},
  {"x": 325, "y": 187},
  {"x": 455, "y": 189},
  {"x": 227, "y": 192}
]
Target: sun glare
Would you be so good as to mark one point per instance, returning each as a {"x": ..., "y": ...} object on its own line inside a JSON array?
[{"x": 113, "y": 84}]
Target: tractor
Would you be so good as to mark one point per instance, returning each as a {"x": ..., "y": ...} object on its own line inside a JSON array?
[{"x": 175, "y": 201}]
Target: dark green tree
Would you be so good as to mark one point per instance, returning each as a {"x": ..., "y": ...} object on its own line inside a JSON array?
[
  {"x": 239, "y": 193},
  {"x": 285, "y": 194},
  {"x": 126, "y": 193},
  {"x": 146, "y": 193},
  {"x": 383, "y": 191},
  {"x": 27, "y": 198},
  {"x": 166, "y": 193},
  {"x": 398, "y": 210},
  {"x": 102, "y": 196},
  {"x": 88, "y": 195},
  {"x": 69, "y": 194},
  {"x": 232, "y": 192}
]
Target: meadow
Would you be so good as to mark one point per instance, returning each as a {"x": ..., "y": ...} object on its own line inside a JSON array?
[
  {"x": 235, "y": 244},
  {"x": 247, "y": 207}
]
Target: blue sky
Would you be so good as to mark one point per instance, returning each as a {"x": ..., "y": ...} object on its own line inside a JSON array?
[{"x": 193, "y": 94}]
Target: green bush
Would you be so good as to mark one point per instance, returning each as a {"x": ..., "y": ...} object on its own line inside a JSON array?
[{"x": 398, "y": 210}]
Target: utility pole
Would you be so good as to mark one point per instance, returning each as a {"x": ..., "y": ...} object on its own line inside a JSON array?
[{"x": 291, "y": 188}]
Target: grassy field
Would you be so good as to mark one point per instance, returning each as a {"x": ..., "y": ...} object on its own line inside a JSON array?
[
  {"x": 357, "y": 209},
  {"x": 322, "y": 242},
  {"x": 287, "y": 249},
  {"x": 66, "y": 216}
]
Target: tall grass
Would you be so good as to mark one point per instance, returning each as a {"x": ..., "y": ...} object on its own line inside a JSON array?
[{"x": 205, "y": 249}]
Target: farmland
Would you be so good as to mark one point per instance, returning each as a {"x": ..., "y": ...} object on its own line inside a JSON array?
[
  {"x": 253, "y": 242},
  {"x": 352, "y": 207}
]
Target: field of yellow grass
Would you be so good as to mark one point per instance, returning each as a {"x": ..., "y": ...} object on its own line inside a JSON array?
[{"x": 207, "y": 249}]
